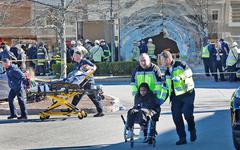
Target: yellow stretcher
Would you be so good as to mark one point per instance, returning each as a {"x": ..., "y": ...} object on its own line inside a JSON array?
[{"x": 61, "y": 93}]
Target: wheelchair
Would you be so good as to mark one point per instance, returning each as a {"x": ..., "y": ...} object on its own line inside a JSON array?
[{"x": 150, "y": 132}]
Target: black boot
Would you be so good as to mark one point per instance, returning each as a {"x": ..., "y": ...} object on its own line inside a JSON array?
[
  {"x": 181, "y": 141},
  {"x": 12, "y": 117},
  {"x": 193, "y": 136}
]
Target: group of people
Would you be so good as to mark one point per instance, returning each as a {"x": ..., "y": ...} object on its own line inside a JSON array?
[
  {"x": 149, "y": 87},
  {"x": 140, "y": 47},
  {"x": 219, "y": 57},
  {"x": 33, "y": 55},
  {"x": 17, "y": 82},
  {"x": 98, "y": 51},
  {"x": 151, "y": 90}
]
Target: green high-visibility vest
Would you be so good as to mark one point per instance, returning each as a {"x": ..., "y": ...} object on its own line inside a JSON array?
[
  {"x": 149, "y": 78},
  {"x": 205, "y": 52},
  {"x": 151, "y": 49},
  {"x": 182, "y": 86}
]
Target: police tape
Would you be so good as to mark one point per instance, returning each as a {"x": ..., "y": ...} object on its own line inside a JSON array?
[{"x": 28, "y": 60}]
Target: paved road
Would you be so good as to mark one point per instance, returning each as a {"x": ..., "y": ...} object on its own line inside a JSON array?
[{"x": 211, "y": 113}]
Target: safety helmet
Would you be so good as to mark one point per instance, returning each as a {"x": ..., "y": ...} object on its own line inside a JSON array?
[
  {"x": 150, "y": 40},
  {"x": 234, "y": 44},
  {"x": 97, "y": 42},
  {"x": 79, "y": 43},
  {"x": 87, "y": 40},
  {"x": 73, "y": 42}
]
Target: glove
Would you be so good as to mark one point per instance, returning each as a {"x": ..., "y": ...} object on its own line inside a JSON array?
[{"x": 176, "y": 78}]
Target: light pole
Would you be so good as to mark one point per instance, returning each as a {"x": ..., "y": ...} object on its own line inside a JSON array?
[{"x": 112, "y": 31}]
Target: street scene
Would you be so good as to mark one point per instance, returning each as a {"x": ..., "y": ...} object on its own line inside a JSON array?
[{"x": 120, "y": 74}]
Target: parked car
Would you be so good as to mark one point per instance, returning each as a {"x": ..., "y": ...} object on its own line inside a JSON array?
[{"x": 235, "y": 118}]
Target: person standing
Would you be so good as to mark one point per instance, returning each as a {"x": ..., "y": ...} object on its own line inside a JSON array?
[
  {"x": 41, "y": 59},
  {"x": 95, "y": 97},
  {"x": 225, "y": 51},
  {"x": 206, "y": 59},
  {"x": 143, "y": 47},
  {"x": 151, "y": 50},
  {"x": 148, "y": 72},
  {"x": 16, "y": 82},
  {"x": 135, "y": 52},
  {"x": 232, "y": 60},
  {"x": 181, "y": 91},
  {"x": 96, "y": 52},
  {"x": 106, "y": 51},
  {"x": 218, "y": 63}
]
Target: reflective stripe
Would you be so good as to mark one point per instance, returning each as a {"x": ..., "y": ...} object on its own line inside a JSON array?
[{"x": 205, "y": 52}]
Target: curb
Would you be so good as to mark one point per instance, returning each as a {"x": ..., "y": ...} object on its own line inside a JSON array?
[{"x": 113, "y": 108}]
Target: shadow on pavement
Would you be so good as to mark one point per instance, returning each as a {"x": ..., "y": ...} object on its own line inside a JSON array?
[
  {"x": 214, "y": 132},
  {"x": 30, "y": 120}
]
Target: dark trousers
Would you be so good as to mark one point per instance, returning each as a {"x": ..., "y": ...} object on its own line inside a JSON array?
[
  {"x": 21, "y": 102},
  {"x": 140, "y": 116},
  {"x": 224, "y": 60},
  {"x": 232, "y": 76},
  {"x": 218, "y": 68},
  {"x": 183, "y": 104},
  {"x": 207, "y": 66},
  {"x": 41, "y": 69},
  {"x": 95, "y": 98}
]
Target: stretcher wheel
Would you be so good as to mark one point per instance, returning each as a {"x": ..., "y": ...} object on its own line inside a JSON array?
[
  {"x": 80, "y": 116},
  {"x": 84, "y": 114},
  {"x": 43, "y": 117}
]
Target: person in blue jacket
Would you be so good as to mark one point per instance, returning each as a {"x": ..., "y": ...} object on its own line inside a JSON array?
[{"x": 16, "y": 82}]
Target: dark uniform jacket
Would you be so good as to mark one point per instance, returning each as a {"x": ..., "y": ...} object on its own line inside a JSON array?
[{"x": 16, "y": 78}]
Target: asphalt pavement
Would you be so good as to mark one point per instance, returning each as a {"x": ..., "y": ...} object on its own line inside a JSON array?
[{"x": 211, "y": 114}]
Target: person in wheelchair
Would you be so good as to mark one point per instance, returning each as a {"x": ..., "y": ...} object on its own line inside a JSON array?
[{"x": 146, "y": 107}]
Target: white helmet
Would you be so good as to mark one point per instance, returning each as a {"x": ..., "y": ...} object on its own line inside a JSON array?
[
  {"x": 73, "y": 42},
  {"x": 234, "y": 44},
  {"x": 97, "y": 42},
  {"x": 150, "y": 40},
  {"x": 87, "y": 40},
  {"x": 79, "y": 43}
]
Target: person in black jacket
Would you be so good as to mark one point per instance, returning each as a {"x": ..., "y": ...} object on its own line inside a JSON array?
[
  {"x": 145, "y": 105},
  {"x": 16, "y": 82}
]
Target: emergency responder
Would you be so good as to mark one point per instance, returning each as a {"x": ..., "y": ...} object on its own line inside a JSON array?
[
  {"x": 16, "y": 82},
  {"x": 181, "y": 91},
  {"x": 106, "y": 51},
  {"x": 218, "y": 63},
  {"x": 41, "y": 59},
  {"x": 95, "y": 97},
  {"x": 81, "y": 48},
  {"x": 96, "y": 53},
  {"x": 206, "y": 59},
  {"x": 149, "y": 73},
  {"x": 232, "y": 60},
  {"x": 151, "y": 50},
  {"x": 225, "y": 50},
  {"x": 135, "y": 52}
]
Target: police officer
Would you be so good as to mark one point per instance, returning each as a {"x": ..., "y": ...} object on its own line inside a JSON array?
[
  {"x": 181, "y": 91},
  {"x": 96, "y": 98},
  {"x": 106, "y": 51},
  {"x": 151, "y": 50},
  {"x": 41, "y": 59},
  {"x": 16, "y": 81},
  {"x": 206, "y": 59},
  {"x": 232, "y": 60}
]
